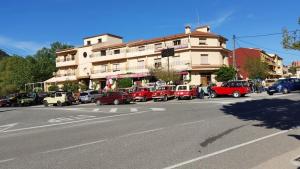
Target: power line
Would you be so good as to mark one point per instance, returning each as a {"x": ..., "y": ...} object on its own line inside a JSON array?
[
  {"x": 259, "y": 46},
  {"x": 269, "y": 34}
]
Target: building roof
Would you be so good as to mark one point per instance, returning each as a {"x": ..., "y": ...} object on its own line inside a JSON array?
[
  {"x": 160, "y": 39},
  {"x": 108, "y": 34}
]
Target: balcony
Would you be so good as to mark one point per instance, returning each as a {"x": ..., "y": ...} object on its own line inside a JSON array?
[
  {"x": 113, "y": 73},
  {"x": 96, "y": 57},
  {"x": 65, "y": 63}
]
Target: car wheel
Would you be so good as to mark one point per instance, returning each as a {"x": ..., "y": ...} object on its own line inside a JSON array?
[
  {"x": 59, "y": 103},
  {"x": 270, "y": 93},
  {"x": 213, "y": 94},
  {"x": 144, "y": 99},
  {"x": 236, "y": 94},
  {"x": 155, "y": 100},
  {"x": 116, "y": 102},
  {"x": 285, "y": 90},
  {"x": 46, "y": 104},
  {"x": 165, "y": 98},
  {"x": 98, "y": 103}
]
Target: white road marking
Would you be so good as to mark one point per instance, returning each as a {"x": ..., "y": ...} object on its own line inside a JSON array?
[
  {"x": 95, "y": 110},
  {"x": 133, "y": 109},
  {"x": 158, "y": 109},
  {"x": 70, "y": 122},
  {"x": 113, "y": 110},
  {"x": 141, "y": 132},
  {"x": 5, "y": 127},
  {"x": 6, "y": 160},
  {"x": 70, "y": 118},
  {"x": 225, "y": 150},
  {"x": 75, "y": 146}
]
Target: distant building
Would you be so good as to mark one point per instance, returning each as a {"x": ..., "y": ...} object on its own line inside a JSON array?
[
  {"x": 104, "y": 58},
  {"x": 274, "y": 62},
  {"x": 296, "y": 64}
]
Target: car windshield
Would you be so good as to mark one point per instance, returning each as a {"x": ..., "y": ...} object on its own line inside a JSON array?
[
  {"x": 83, "y": 94},
  {"x": 278, "y": 82},
  {"x": 182, "y": 87},
  {"x": 161, "y": 88}
]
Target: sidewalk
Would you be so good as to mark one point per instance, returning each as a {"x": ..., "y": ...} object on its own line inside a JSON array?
[{"x": 284, "y": 161}]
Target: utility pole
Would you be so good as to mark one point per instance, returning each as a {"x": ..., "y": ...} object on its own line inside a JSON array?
[{"x": 234, "y": 57}]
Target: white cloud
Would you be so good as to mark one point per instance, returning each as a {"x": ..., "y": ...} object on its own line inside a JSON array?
[
  {"x": 19, "y": 47},
  {"x": 216, "y": 22},
  {"x": 221, "y": 20}
]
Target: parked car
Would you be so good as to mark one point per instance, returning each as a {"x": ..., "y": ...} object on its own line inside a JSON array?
[
  {"x": 164, "y": 93},
  {"x": 4, "y": 102},
  {"x": 114, "y": 98},
  {"x": 284, "y": 86},
  {"x": 59, "y": 99},
  {"x": 185, "y": 91},
  {"x": 88, "y": 96},
  {"x": 142, "y": 94},
  {"x": 233, "y": 88},
  {"x": 28, "y": 99}
]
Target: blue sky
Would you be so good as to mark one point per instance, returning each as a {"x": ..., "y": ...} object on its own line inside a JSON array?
[{"x": 31, "y": 24}]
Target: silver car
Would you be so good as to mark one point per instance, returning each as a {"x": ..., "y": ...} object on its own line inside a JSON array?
[{"x": 89, "y": 96}]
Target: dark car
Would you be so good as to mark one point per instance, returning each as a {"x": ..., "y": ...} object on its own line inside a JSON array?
[
  {"x": 284, "y": 86},
  {"x": 114, "y": 98},
  {"x": 4, "y": 102},
  {"x": 232, "y": 88}
]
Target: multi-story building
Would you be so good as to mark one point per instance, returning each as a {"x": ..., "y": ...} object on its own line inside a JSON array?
[
  {"x": 274, "y": 62},
  {"x": 198, "y": 54}
]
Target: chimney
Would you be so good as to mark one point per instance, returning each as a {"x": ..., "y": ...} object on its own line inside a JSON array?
[
  {"x": 205, "y": 28},
  {"x": 187, "y": 29}
]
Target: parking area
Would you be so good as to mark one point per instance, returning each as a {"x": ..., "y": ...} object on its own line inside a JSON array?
[{"x": 172, "y": 134}]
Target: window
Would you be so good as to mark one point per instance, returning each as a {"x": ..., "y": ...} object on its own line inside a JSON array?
[
  {"x": 202, "y": 41},
  {"x": 73, "y": 57},
  {"x": 100, "y": 40},
  {"x": 104, "y": 68},
  {"x": 84, "y": 54},
  {"x": 157, "y": 63},
  {"x": 117, "y": 51},
  {"x": 158, "y": 46},
  {"x": 176, "y": 42},
  {"x": 204, "y": 58},
  {"x": 116, "y": 67},
  {"x": 141, "y": 48},
  {"x": 103, "y": 53},
  {"x": 88, "y": 42},
  {"x": 141, "y": 64}
]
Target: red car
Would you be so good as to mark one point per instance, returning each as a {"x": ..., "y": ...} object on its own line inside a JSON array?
[
  {"x": 142, "y": 94},
  {"x": 164, "y": 93},
  {"x": 114, "y": 98},
  {"x": 185, "y": 91},
  {"x": 233, "y": 88}
]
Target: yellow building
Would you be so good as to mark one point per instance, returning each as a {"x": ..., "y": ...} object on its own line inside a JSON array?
[{"x": 198, "y": 54}]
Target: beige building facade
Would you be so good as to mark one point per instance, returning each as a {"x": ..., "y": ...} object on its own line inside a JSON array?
[{"x": 103, "y": 58}]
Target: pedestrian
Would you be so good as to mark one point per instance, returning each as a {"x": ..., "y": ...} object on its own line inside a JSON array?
[
  {"x": 209, "y": 91},
  {"x": 201, "y": 92}
]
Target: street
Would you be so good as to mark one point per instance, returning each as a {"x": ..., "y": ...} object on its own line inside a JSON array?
[{"x": 221, "y": 133}]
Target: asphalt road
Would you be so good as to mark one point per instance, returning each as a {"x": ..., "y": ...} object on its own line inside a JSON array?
[{"x": 222, "y": 133}]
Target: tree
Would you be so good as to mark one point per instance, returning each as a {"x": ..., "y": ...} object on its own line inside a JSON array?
[
  {"x": 256, "y": 68},
  {"x": 44, "y": 61},
  {"x": 225, "y": 73},
  {"x": 125, "y": 83},
  {"x": 165, "y": 75},
  {"x": 291, "y": 40},
  {"x": 53, "y": 88},
  {"x": 71, "y": 87},
  {"x": 292, "y": 70}
]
